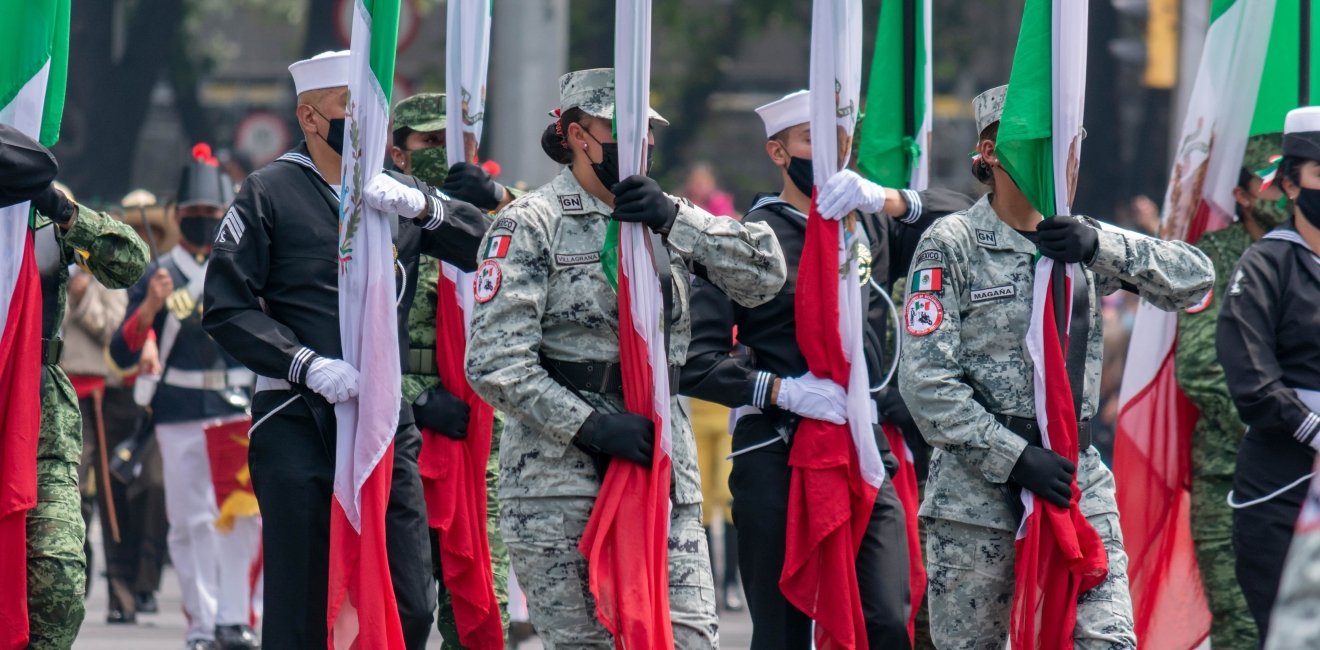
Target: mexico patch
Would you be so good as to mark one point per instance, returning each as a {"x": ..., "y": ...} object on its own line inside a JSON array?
[
  {"x": 505, "y": 223},
  {"x": 922, "y": 314},
  {"x": 497, "y": 247},
  {"x": 930, "y": 256},
  {"x": 928, "y": 280},
  {"x": 1203, "y": 304},
  {"x": 488, "y": 281}
]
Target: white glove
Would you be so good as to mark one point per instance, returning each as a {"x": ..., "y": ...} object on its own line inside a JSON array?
[
  {"x": 845, "y": 192},
  {"x": 333, "y": 379},
  {"x": 392, "y": 197},
  {"x": 813, "y": 397}
]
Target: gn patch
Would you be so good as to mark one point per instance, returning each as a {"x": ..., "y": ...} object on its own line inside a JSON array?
[
  {"x": 993, "y": 293},
  {"x": 922, "y": 314},
  {"x": 489, "y": 278},
  {"x": 985, "y": 237},
  {"x": 570, "y": 202}
]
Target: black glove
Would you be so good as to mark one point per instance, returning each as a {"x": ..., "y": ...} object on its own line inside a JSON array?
[
  {"x": 471, "y": 183},
  {"x": 622, "y": 435},
  {"x": 463, "y": 211},
  {"x": 1067, "y": 240},
  {"x": 54, "y": 205},
  {"x": 1045, "y": 473},
  {"x": 442, "y": 412},
  {"x": 639, "y": 199},
  {"x": 894, "y": 409}
]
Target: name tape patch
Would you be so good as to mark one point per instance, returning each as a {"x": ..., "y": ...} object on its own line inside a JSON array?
[
  {"x": 992, "y": 293},
  {"x": 576, "y": 259}
]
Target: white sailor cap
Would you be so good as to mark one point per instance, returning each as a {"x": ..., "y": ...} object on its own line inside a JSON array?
[
  {"x": 325, "y": 70},
  {"x": 1301, "y": 133},
  {"x": 790, "y": 110}
]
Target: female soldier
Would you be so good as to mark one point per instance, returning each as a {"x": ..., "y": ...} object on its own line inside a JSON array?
[
  {"x": 1271, "y": 358},
  {"x": 545, "y": 351}
]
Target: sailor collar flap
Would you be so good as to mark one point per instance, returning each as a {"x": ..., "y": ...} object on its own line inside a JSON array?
[
  {"x": 571, "y": 198},
  {"x": 1290, "y": 235},
  {"x": 989, "y": 231}
]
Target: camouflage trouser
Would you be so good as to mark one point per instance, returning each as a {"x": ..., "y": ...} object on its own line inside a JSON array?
[
  {"x": 56, "y": 580},
  {"x": 499, "y": 559},
  {"x": 543, "y": 536},
  {"x": 1296, "y": 619},
  {"x": 971, "y": 580},
  {"x": 1212, "y": 530}
]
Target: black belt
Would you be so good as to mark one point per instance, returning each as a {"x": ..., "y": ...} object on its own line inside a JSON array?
[
  {"x": 594, "y": 376},
  {"x": 51, "y": 351},
  {"x": 421, "y": 361},
  {"x": 1029, "y": 430}
]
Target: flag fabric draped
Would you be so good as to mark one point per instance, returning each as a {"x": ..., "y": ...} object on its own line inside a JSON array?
[
  {"x": 362, "y": 611},
  {"x": 905, "y": 484},
  {"x": 1059, "y": 554},
  {"x": 34, "y": 45},
  {"x": 895, "y": 135},
  {"x": 227, "y": 454},
  {"x": 626, "y": 539},
  {"x": 454, "y": 471},
  {"x": 836, "y": 470},
  {"x": 1245, "y": 83}
]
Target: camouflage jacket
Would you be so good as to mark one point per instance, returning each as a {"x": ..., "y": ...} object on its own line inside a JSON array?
[
  {"x": 964, "y": 350},
  {"x": 541, "y": 291},
  {"x": 116, "y": 257},
  {"x": 1295, "y": 621},
  {"x": 1196, "y": 364}
]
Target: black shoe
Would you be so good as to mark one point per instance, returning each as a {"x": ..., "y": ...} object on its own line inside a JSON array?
[
  {"x": 236, "y": 637},
  {"x": 118, "y": 617},
  {"x": 201, "y": 644},
  {"x": 146, "y": 603}
]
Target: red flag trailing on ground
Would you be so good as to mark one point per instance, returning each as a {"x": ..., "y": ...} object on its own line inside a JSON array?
[
  {"x": 836, "y": 468},
  {"x": 1059, "y": 553}
]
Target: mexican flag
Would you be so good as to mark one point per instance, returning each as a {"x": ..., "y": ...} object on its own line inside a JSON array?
[
  {"x": 34, "y": 47},
  {"x": 1059, "y": 554},
  {"x": 362, "y": 611},
  {"x": 836, "y": 471},
  {"x": 626, "y": 542},
  {"x": 1246, "y": 82},
  {"x": 895, "y": 135},
  {"x": 454, "y": 471}
]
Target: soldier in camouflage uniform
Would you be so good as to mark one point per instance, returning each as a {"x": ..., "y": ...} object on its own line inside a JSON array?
[
  {"x": 545, "y": 350},
  {"x": 965, "y": 364},
  {"x": 419, "y": 150},
  {"x": 1295, "y": 622},
  {"x": 65, "y": 233},
  {"x": 1218, "y": 431}
]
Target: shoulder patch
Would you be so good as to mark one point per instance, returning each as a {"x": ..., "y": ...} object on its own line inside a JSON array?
[
  {"x": 991, "y": 293},
  {"x": 1235, "y": 288},
  {"x": 985, "y": 237},
  {"x": 231, "y": 229},
  {"x": 930, "y": 256},
  {"x": 922, "y": 314},
  {"x": 570, "y": 202},
  {"x": 505, "y": 223},
  {"x": 497, "y": 247},
  {"x": 577, "y": 259},
  {"x": 928, "y": 280},
  {"x": 1203, "y": 304},
  {"x": 489, "y": 278}
]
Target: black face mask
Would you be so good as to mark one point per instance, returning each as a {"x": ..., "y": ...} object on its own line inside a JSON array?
[
  {"x": 198, "y": 231},
  {"x": 802, "y": 174},
  {"x": 607, "y": 170},
  {"x": 336, "y": 136},
  {"x": 1308, "y": 202}
]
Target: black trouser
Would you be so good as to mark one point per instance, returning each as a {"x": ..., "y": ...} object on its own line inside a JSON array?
[
  {"x": 1263, "y": 532},
  {"x": 291, "y": 459},
  {"x": 133, "y": 561},
  {"x": 760, "y": 483}
]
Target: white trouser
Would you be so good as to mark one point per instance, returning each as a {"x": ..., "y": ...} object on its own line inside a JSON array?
[{"x": 213, "y": 569}]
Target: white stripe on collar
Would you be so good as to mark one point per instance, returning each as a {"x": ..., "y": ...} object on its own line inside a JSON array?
[
  {"x": 302, "y": 159},
  {"x": 766, "y": 201},
  {"x": 1292, "y": 236}
]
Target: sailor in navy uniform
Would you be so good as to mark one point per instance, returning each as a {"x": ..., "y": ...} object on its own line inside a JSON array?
[
  {"x": 197, "y": 385},
  {"x": 272, "y": 301},
  {"x": 1268, "y": 339},
  {"x": 774, "y": 390}
]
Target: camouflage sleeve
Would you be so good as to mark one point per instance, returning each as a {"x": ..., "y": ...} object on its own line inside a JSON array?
[
  {"x": 415, "y": 385},
  {"x": 110, "y": 250},
  {"x": 743, "y": 260},
  {"x": 930, "y": 368},
  {"x": 503, "y": 360},
  {"x": 1295, "y": 622},
  {"x": 1196, "y": 361},
  {"x": 1169, "y": 274}
]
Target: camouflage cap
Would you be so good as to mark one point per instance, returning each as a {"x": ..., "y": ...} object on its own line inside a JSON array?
[
  {"x": 989, "y": 106},
  {"x": 593, "y": 92},
  {"x": 424, "y": 112},
  {"x": 1260, "y": 148}
]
